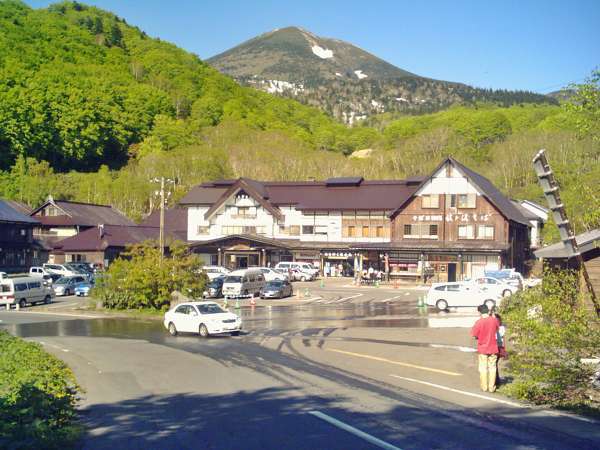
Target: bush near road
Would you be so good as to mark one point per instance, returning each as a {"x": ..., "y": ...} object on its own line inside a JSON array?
[
  {"x": 550, "y": 329},
  {"x": 140, "y": 281},
  {"x": 37, "y": 397}
]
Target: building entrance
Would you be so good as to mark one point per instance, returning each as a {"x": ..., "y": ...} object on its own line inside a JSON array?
[{"x": 242, "y": 260}]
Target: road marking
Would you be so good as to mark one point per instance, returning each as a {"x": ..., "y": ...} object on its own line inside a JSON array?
[
  {"x": 454, "y": 347},
  {"x": 388, "y": 299},
  {"x": 457, "y": 391},
  {"x": 343, "y": 299},
  {"x": 398, "y": 363},
  {"x": 355, "y": 431}
]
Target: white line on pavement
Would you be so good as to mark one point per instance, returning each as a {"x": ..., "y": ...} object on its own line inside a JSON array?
[
  {"x": 454, "y": 347},
  {"x": 355, "y": 431},
  {"x": 343, "y": 299},
  {"x": 388, "y": 299},
  {"x": 457, "y": 391}
]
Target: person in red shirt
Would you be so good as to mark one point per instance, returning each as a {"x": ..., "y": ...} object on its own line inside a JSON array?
[{"x": 485, "y": 331}]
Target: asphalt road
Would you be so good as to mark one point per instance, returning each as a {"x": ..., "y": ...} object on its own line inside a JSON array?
[{"x": 371, "y": 371}]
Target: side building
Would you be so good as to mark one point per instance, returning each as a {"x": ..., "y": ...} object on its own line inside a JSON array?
[
  {"x": 18, "y": 249},
  {"x": 450, "y": 225}
]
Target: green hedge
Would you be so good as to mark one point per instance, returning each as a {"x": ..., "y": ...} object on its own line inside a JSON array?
[
  {"x": 550, "y": 329},
  {"x": 37, "y": 397}
]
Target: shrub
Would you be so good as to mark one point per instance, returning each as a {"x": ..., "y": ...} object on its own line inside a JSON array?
[
  {"x": 550, "y": 329},
  {"x": 140, "y": 280},
  {"x": 37, "y": 397}
]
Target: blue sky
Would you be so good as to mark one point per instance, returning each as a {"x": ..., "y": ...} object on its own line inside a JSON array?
[{"x": 538, "y": 45}]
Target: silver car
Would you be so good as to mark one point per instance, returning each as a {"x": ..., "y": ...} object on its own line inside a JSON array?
[{"x": 66, "y": 285}]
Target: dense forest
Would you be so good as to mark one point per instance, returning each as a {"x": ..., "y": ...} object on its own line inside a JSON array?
[{"x": 92, "y": 109}]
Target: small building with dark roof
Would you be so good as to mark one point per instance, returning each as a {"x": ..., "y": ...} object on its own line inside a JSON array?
[
  {"x": 18, "y": 248},
  {"x": 451, "y": 225}
]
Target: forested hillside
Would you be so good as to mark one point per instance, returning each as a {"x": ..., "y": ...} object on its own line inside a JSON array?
[
  {"x": 78, "y": 87},
  {"x": 92, "y": 109}
]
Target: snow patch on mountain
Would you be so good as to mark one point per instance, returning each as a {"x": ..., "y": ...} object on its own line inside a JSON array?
[
  {"x": 323, "y": 53},
  {"x": 337, "y": 74},
  {"x": 352, "y": 117},
  {"x": 360, "y": 74},
  {"x": 279, "y": 86}
]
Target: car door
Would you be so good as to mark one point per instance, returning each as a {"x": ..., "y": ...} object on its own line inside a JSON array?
[
  {"x": 181, "y": 318},
  {"x": 35, "y": 291},
  {"x": 453, "y": 295},
  {"x": 471, "y": 295}
]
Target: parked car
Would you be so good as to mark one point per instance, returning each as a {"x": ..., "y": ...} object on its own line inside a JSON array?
[
  {"x": 309, "y": 268},
  {"x": 297, "y": 271},
  {"x": 277, "y": 289},
  {"x": 272, "y": 274},
  {"x": 214, "y": 289},
  {"x": 66, "y": 285},
  {"x": 3, "y": 275},
  {"x": 38, "y": 271},
  {"x": 243, "y": 283},
  {"x": 508, "y": 276},
  {"x": 59, "y": 269},
  {"x": 204, "y": 318},
  {"x": 24, "y": 290},
  {"x": 495, "y": 286},
  {"x": 83, "y": 289},
  {"x": 213, "y": 272},
  {"x": 444, "y": 295}
]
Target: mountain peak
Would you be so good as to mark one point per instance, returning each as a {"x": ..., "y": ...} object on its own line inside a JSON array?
[{"x": 294, "y": 54}]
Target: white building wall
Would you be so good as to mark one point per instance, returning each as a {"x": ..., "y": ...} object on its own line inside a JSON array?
[{"x": 441, "y": 183}]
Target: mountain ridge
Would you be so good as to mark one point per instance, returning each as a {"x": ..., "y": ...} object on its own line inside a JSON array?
[{"x": 344, "y": 80}]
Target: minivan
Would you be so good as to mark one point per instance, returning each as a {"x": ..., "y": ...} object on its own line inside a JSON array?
[
  {"x": 243, "y": 283},
  {"x": 59, "y": 269},
  {"x": 453, "y": 294},
  {"x": 300, "y": 271},
  {"x": 24, "y": 290}
]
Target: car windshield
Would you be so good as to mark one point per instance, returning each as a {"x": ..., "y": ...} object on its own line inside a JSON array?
[
  {"x": 233, "y": 279},
  {"x": 63, "y": 280},
  {"x": 274, "y": 284},
  {"x": 216, "y": 283},
  {"x": 211, "y": 308}
]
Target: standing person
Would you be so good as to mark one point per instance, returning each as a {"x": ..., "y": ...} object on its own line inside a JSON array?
[
  {"x": 501, "y": 343},
  {"x": 485, "y": 331}
]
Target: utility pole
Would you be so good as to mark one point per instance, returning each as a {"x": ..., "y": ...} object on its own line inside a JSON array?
[
  {"x": 161, "y": 235},
  {"x": 551, "y": 192}
]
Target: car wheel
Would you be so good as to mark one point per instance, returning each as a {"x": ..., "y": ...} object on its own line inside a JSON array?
[
  {"x": 22, "y": 303},
  {"x": 442, "y": 305},
  {"x": 302, "y": 278},
  {"x": 490, "y": 304},
  {"x": 67, "y": 293},
  {"x": 506, "y": 292},
  {"x": 245, "y": 292},
  {"x": 203, "y": 331},
  {"x": 47, "y": 300},
  {"x": 235, "y": 333},
  {"x": 172, "y": 329}
]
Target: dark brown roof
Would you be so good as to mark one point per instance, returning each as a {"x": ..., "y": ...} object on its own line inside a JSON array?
[
  {"x": 9, "y": 214},
  {"x": 175, "y": 220},
  {"x": 384, "y": 195},
  {"x": 19, "y": 206},
  {"x": 586, "y": 242},
  {"x": 113, "y": 236},
  {"x": 81, "y": 214}
]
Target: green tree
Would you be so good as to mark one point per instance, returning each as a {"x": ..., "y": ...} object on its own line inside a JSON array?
[{"x": 584, "y": 106}]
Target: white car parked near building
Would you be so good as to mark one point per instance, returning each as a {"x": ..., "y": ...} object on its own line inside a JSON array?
[
  {"x": 272, "y": 274},
  {"x": 495, "y": 286},
  {"x": 59, "y": 269},
  {"x": 24, "y": 290},
  {"x": 213, "y": 272},
  {"x": 203, "y": 318},
  {"x": 445, "y": 295},
  {"x": 243, "y": 283}
]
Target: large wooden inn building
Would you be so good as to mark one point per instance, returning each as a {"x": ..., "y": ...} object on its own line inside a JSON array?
[{"x": 450, "y": 225}]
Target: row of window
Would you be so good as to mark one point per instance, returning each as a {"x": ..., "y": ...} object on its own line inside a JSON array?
[
  {"x": 463, "y": 201},
  {"x": 296, "y": 230},
  {"x": 430, "y": 231},
  {"x": 365, "y": 231}
]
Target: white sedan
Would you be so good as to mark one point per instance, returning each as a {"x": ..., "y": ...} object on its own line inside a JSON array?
[
  {"x": 444, "y": 295},
  {"x": 204, "y": 318},
  {"x": 495, "y": 286}
]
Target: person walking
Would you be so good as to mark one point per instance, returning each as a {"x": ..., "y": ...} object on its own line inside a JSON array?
[{"x": 485, "y": 331}]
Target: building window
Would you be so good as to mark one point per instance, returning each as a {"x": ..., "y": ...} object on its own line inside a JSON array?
[
  {"x": 244, "y": 212},
  {"x": 451, "y": 200},
  {"x": 308, "y": 229},
  {"x": 351, "y": 231},
  {"x": 421, "y": 231},
  {"x": 467, "y": 200},
  {"x": 430, "y": 201},
  {"x": 294, "y": 230},
  {"x": 365, "y": 231},
  {"x": 236, "y": 229},
  {"x": 408, "y": 230},
  {"x": 485, "y": 232},
  {"x": 465, "y": 232},
  {"x": 202, "y": 229},
  {"x": 379, "y": 232},
  {"x": 433, "y": 230}
]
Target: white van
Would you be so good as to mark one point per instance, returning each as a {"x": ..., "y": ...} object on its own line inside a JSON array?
[
  {"x": 24, "y": 290},
  {"x": 243, "y": 283},
  {"x": 300, "y": 271},
  {"x": 59, "y": 269}
]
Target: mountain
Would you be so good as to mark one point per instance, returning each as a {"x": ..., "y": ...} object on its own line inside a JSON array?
[{"x": 344, "y": 80}]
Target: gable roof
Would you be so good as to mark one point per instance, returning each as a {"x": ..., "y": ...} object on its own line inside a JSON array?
[
  {"x": 81, "y": 214},
  {"x": 483, "y": 185},
  {"x": 9, "y": 214},
  {"x": 585, "y": 241},
  {"x": 175, "y": 222},
  {"x": 373, "y": 195},
  {"x": 253, "y": 188},
  {"x": 93, "y": 239},
  {"x": 529, "y": 215}
]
